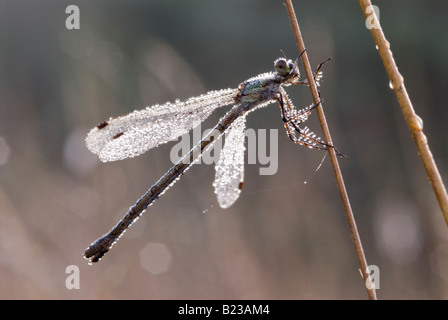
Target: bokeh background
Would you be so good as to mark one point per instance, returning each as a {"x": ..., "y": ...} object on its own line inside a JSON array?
[{"x": 284, "y": 238}]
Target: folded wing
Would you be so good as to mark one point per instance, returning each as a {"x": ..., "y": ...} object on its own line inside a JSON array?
[
  {"x": 135, "y": 133},
  {"x": 230, "y": 167}
]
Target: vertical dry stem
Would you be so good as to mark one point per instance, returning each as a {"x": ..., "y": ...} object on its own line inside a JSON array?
[
  {"x": 333, "y": 158},
  {"x": 414, "y": 122}
]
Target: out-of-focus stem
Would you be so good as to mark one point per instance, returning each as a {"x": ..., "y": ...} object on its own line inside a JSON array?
[{"x": 414, "y": 122}]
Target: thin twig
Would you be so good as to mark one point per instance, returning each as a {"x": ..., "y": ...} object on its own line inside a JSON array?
[
  {"x": 414, "y": 122},
  {"x": 333, "y": 158}
]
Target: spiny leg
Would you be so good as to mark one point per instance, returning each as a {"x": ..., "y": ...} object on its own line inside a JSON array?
[
  {"x": 289, "y": 113},
  {"x": 297, "y": 59},
  {"x": 318, "y": 67},
  {"x": 293, "y": 118},
  {"x": 293, "y": 115},
  {"x": 317, "y": 74}
]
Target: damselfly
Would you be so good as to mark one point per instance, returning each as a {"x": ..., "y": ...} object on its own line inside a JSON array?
[{"x": 135, "y": 133}]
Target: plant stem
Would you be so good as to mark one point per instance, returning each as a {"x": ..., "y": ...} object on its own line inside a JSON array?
[
  {"x": 333, "y": 158},
  {"x": 415, "y": 124}
]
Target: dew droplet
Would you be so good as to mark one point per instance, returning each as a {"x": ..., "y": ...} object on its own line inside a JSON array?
[
  {"x": 391, "y": 84},
  {"x": 417, "y": 123}
]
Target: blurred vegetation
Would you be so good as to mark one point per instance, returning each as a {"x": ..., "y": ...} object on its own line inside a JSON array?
[{"x": 283, "y": 239}]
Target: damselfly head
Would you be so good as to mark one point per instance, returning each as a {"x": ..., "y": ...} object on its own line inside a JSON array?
[
  {"x": 283, "y": 66},
  {"x": 286, "y": 67}
]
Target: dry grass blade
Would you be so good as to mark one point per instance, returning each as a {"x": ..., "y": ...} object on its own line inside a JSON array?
[
  {"x": 333, "y": 158},
  {"x": 414, "y": 122}
]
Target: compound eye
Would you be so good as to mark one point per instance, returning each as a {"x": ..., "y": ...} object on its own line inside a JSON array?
[{"x": 282, "y": 66}]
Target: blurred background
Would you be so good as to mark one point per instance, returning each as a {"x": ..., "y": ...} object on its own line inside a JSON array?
[{"x": 286, "y": 237}]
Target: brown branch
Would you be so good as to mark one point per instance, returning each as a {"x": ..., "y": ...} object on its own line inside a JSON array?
[
  {"x": 333, "y": 158},
  {"x": 414, "y": 122}
]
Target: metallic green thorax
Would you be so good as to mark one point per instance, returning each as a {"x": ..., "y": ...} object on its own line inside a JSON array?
[{"x": 265, "y": 87}]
